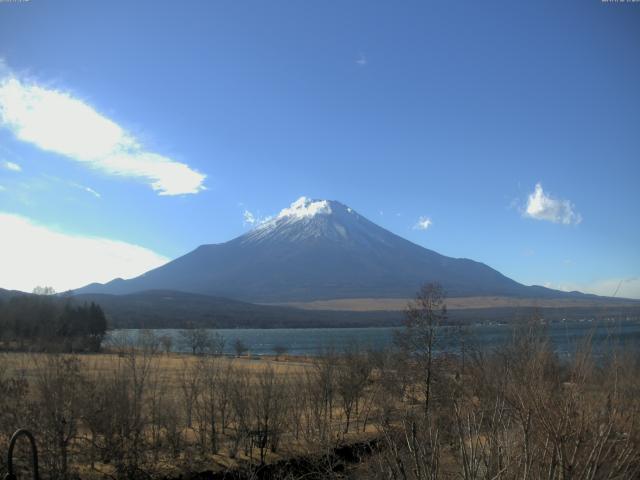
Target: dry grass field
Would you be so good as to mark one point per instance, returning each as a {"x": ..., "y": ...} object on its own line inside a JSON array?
[
  {"x": 457, "y": 303},
  {"x": 182, "y": 412},
  {"x": 169, "y": 368}
]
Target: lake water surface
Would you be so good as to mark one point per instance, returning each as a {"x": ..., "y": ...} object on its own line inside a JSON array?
[{"x": 312, "y": 341}]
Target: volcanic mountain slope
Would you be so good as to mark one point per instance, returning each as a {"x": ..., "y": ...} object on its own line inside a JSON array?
[{"x": 319, "y": 249}]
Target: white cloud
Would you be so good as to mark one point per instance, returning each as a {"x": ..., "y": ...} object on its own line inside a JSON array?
[
  {"x": 542, "y": 206},
  {"x": 92, "y": 192},
  {"x": 56, "y": 121},
  {"x": 618, "y": 287},
  {"x": 85, "y": 189},
  {"x": 423, "y": 223},
  {"x": 14, "y": 167},
  {"x": 250, "y": 219},
  {"x": 361, "y": 60},
  {"x": 32, "y": 254}
]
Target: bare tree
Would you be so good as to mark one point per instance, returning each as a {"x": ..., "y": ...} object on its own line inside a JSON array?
[
  {"x": 321, "y": 388},
  {"x": 352, "y": 376},
  {"x": 211, "y": 389},
  {"x": 58, "y": 388},
  {"x": 190, "y": 386},
  {"x": 44, "y": 290},
  {"x": 122, "y": 422},
  {"x": 240, "y": 393},
  {"x": 419, "y": 338},
  {"x": 198, "y": 341},
  {"x": 166, "y": 341},
  {"x": 280, "y": 350},
  {"x": 267, "y": 411},
  {"x": 240, "y": 347}
]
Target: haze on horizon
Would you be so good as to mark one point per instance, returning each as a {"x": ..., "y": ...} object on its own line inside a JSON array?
[{"x": 491, "y": 132}]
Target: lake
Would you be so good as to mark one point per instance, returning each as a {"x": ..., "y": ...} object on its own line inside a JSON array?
[{"x": 312, "y": 341}]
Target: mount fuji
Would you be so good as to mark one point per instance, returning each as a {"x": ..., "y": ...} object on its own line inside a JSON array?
[{"x": 321, "y": 250}]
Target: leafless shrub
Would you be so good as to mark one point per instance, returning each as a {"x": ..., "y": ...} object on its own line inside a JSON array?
[
  {"x": 58, "y": 388},
  {"x": 352, "y": 377}
]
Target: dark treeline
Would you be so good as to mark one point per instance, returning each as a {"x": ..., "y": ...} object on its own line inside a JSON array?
[{"x": 45, "y": 322}]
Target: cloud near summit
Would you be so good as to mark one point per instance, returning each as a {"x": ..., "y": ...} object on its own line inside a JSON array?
[{"x": 58, "y": 122}]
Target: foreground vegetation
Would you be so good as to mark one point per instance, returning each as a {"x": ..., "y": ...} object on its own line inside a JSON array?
[{"x": 517, "y": 413}]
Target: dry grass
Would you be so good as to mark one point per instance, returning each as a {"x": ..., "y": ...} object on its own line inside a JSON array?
[
  {"x": 166, "y": 379},
  {"x": 171, "y": 367},
  {"x": 459, "y": 303}
]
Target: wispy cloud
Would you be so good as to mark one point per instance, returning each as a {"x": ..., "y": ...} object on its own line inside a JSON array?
[
  {"x": 251, "y": 219},
  {"x": 84, "y": 188},
  {"x": 14, "y": 167},
  {"x": 70, "y": 183},
  {"x": 362, "y": 61},
  {"x": 58, "y": 122},
  {"x": 92, "y": 192},
  {"x": 32, "y": 254},
  {"x": 423, "y": 223},
  {"x": 542, "y": 206}
]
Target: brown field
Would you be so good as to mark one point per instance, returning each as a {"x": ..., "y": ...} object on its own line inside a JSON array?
[
  {"x": 169, "y": 367},
  {"x": 455, "y": 303},
  {"x": 250, "y": 389}
]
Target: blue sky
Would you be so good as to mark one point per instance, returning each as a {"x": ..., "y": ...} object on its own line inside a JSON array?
[{"x": 164, "y": 121}]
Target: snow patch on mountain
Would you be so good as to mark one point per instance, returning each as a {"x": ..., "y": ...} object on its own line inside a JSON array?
[
  {"x": 305, "y": 219},
  {"x": 306, "y": 208},
  {"x": 325, "y": 221}
]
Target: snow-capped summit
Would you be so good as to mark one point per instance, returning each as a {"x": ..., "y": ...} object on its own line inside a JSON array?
[
  {"x": 305, "y": 208},
  {"x": 315, "y": 220},
  {"x": 319, "y": 249}
]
